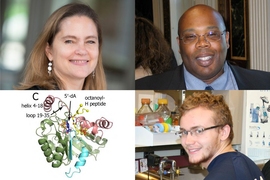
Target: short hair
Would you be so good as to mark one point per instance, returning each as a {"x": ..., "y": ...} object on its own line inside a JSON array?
[{"x": 215, "y": 103}]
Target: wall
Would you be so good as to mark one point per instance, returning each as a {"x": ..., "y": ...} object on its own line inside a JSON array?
[
  {"x": 255, "y": 129},
  {"x": 259, "y": 25},
  {"x": 235, "y": 102}
]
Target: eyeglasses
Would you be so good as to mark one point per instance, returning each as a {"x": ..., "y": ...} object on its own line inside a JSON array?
[
  {"x": 196, "y": 131},
  {"x": 210, "y": 36}
]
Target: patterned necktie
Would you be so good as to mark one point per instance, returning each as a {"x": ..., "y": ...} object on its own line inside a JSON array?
[{"x": 208, "y": 88}]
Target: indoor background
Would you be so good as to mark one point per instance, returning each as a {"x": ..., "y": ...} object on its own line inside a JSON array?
[{"x": 248, "y": 22}]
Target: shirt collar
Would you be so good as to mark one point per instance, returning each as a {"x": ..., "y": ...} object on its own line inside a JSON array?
[{"x": 225, "y": 82}]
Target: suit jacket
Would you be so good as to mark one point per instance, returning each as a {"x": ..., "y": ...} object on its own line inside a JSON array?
[{"x": 246, "y": 79}]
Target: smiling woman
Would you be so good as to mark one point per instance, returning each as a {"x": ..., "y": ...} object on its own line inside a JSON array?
[
  {"x": 74, "y": 51},
  {"x": 67, "y": 54}
]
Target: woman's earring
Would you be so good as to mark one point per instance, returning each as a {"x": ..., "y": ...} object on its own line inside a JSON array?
[
  {"x": 93, "y": 74},
  {"x": 50, "y": 67}
]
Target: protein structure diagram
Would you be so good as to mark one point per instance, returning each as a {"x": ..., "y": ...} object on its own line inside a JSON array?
[{"x": 64, "y": 135}]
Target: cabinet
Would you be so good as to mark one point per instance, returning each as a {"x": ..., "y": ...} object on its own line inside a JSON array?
[{"x": 145, "y": 137}]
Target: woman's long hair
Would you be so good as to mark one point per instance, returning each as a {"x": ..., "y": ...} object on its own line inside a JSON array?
[
  {"x": 36, "y": 72},
  {"x": 151, "y": 48}
]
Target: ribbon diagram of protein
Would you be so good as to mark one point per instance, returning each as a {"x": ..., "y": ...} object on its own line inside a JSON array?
[{"x": 65, "y": 136}]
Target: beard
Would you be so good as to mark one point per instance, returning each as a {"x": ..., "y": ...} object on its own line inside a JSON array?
[
  {"x": 200, "y": 158},
  {"x": 206, "y": 155}
]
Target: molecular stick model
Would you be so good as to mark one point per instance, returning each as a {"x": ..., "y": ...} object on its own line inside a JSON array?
[{"x": 64, "y": 135}]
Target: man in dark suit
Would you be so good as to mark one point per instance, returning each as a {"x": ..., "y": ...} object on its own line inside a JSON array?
[{"x": 203, "y": 42}]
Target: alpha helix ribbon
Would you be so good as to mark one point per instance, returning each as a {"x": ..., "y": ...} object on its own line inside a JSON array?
[
  {"x": 59, "y": 138},
  {"x": 53, "y": 154},
  {"x": 82, "y": 160}
]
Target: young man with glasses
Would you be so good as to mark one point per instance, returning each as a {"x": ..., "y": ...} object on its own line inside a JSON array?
[
  {"x": 203, "y": 42},
  {"x": 206, "y": 133}
]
